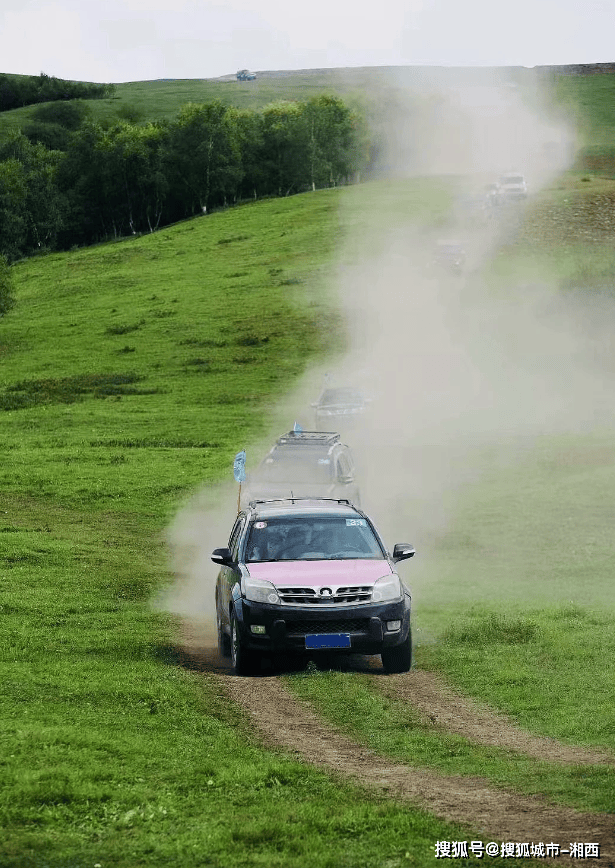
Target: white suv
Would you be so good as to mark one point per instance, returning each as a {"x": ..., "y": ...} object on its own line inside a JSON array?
[{"x": 513, "y": 186}]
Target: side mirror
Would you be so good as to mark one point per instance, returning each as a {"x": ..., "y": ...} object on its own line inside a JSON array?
[
  {"x": 223, "y": 557},
  {"x": 403, "y": 551}
]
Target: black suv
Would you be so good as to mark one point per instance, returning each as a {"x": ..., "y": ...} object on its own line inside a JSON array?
[
  {"x": 305, "y": 464},
  {"x": 308, "y": 576}
]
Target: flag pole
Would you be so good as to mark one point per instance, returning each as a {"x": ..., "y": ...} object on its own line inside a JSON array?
[{"x": 239, "y": 472}]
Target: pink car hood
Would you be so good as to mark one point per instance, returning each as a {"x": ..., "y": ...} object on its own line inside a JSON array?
[{"x": 317, "y": 573}]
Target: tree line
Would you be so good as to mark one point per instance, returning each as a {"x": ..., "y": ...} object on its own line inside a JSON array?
[
  {"x": 104, "y": 183},
  {"x": 21, "y": 90}
]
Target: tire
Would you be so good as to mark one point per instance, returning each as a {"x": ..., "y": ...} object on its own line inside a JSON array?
[
  {"x": 224, "y": 642},
  {"x": 398, "y": 659},
  {"x": 244, "y": 662}
]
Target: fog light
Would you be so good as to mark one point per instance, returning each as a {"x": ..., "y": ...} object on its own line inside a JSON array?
[
  {"x": 393, "y": 625},
  {"x": 259, "y": 629}
]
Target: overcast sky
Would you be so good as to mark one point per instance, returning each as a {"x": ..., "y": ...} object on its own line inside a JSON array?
[{"x": 136, "y": 40}]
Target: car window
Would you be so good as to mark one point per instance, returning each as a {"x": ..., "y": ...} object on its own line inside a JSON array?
[
  {"x": 295, "y": 466},
  {"x": 312, "y": 538},
  {"x": 233, "y": 543},
  {"x": 341, "y": 396}
]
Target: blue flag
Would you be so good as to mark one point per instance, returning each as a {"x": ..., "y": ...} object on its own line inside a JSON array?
[
  {"x": 239, "y": 466},
  {"x": 297, "y": 428}
]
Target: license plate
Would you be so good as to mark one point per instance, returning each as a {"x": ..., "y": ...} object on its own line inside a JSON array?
[{"x": 328, "y": 640}]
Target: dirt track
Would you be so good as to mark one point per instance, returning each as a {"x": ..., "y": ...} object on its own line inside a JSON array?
[{"x": 489, "y": 813}]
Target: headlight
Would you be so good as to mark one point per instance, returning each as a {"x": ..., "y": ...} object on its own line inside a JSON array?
[
  {"x": 259, "y": 591},
  {"x": 386, "y": 589}
]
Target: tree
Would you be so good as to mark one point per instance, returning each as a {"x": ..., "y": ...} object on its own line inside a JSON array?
[
  {"x": 333, "y": 141},
  {"x": 13, "y": 212},
  {"x": 7, "y": 299},
  {"x": 134, "y": 178},
  {"x": 203, "y": 157},
  {"x": 285, "y": 153},
  {"x": 31, "y": 210}
]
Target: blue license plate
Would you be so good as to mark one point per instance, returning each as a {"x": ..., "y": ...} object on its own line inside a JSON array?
[{"x": 328, "y": 640}]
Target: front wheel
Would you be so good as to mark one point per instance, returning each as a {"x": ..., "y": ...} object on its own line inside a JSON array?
[
  {"x": 224, "y": 643},
  {"x": 398, "y": 659},
  {"x": 244, "y": 662}
]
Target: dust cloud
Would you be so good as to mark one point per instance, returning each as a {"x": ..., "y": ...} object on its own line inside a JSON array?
[{"x": 463, "y": 375}]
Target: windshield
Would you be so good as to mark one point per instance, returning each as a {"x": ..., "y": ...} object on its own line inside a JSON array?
[
  {"x": 282, "y": 467},
  {"x": 312, "y": 538},
  {"x": 513, "y": 179}
]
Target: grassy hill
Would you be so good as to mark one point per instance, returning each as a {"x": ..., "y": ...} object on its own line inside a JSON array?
[
  {"x": 132, "y": 373},
  {"x": 585, "y": 97}
]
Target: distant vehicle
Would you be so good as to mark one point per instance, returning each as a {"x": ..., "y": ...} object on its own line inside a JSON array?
[
  {"x": 513, "y": 187},
  {"x": 337, "y": 406},
  {"x": 310, "y": 577},
  {"x": 305, "y": 464},
  {"x": 450, "y": 255},
  {"x": 245, "y": 75},
  {"x": 493, "y": 194}
]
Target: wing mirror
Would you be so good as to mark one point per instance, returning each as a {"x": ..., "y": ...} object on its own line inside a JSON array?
[
  {"x": 223, "y": 557},
  {"x": 403, "y": 551}
]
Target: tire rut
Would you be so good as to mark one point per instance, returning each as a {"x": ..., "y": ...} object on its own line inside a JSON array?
[
  {"x": 493, "y": 814},
  {"x": 287, "y": 722},
  {"x": 442, "y": 707}
]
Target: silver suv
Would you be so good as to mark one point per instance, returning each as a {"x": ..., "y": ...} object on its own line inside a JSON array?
[
  {"x": 305, "y": 464},
  {"x": 513, "y": 187}
]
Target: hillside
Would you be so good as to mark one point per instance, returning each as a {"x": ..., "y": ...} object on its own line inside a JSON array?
[
  {"x": 585, "y": 93},
  {"x": 133, "y": 371}
]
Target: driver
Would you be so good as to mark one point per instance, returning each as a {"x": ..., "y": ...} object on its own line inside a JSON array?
[{"x": 298, "y": 542}]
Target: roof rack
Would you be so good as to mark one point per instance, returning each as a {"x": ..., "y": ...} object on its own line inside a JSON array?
[
  {"x": 258, "y": 501},
  {"x": 308, "y": 438}
]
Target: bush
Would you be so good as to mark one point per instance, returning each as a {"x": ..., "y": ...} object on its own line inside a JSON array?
[
  {"x": 69, "y": 115},
  {"x": 53, "y": 136}
]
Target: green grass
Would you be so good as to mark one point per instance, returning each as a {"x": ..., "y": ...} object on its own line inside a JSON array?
[
  {"x": 352, "y": 702},
  {"x": 162, "y": 99},
  {"x": 113, "y": 752},
  {"x": 150, "y": 359},
  {"x": 514, "y": 605},
  {"x": 131, "y": 374}
]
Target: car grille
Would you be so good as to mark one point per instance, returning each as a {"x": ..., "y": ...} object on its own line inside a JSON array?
[
  {"x": 340, "y": 597},
  {"x": 306, "y": 628}
]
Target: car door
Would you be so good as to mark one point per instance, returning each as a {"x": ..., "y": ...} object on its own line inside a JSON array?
[{"x": 228, "y": 576}]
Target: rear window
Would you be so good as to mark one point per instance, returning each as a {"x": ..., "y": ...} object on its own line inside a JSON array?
[
  {"x": 308, "y": 466},
  {"x": 312, "y": 538},
  {"x": 341, "y": 396}
]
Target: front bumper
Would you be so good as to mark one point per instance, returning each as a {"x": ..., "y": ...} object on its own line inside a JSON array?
[{"x": 287, "y": 626}]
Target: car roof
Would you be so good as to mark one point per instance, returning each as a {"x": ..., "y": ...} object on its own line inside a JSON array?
[
  {"x": 299, "y": 439},
  {"x": 302, "y": 507}
]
